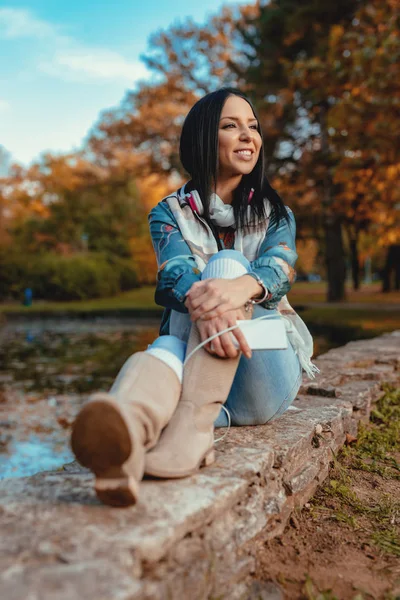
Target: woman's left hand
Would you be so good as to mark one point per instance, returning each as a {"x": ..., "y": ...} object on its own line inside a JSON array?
[{"x": 213, "y": 297}]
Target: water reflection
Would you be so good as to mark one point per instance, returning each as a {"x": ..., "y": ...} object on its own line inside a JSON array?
[
  {"x": 47, "y": 370},
  {"x": 33, "y": 456}
]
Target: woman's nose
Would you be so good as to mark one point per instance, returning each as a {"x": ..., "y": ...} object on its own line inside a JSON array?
[{"x": 245, "y": 134}]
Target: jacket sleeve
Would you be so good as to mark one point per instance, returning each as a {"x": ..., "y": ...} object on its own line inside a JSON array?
[
  {"x": 177, "y": 268},
  {"x": 276, "y": 260}
]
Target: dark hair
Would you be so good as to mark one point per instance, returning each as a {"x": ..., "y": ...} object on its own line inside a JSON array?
[{"x": 198, "y": 152}]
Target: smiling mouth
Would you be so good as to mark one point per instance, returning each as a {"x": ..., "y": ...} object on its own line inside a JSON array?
[{"x": 244, "y": 152}]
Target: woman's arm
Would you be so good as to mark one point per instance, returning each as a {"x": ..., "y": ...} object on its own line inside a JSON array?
[
  {"x": 212, "y": 298},
  {"x": 271, "y": 277},
  {"x": 275, "y": 263},
  {"x": 177, "y": 269}
]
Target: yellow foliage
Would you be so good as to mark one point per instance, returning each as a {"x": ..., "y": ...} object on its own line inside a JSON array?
[
  {"x": 154, "y": 188},
  {"x": 144, "y": 259},
  {"x": 393, "y": 171},
  {"x": 337, "y": 32},
  {"x": 307, "y": 251}
]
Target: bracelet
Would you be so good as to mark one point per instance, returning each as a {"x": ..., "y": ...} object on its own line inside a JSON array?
[{"x": 260, "y": 282}]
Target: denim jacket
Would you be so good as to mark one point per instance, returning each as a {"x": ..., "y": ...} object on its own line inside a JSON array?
[{"x": 178, "y": 269}]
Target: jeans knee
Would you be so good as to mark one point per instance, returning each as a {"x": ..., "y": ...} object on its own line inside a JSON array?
[
  {"x": 254, "y": 413},
  {"x": 226, "y": 264},
  {"x": 260, "y": 412},
  {"x": 231, "y": 254},
  {"x": 172, "y": 344}
]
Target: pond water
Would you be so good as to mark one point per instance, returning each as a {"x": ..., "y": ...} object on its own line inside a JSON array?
[{"x": 48, "y": 369}]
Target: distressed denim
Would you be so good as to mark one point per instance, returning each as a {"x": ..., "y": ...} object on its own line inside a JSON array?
[{"x": 264, "y": 385}]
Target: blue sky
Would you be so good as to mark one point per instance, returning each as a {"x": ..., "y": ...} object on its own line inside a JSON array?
[{"x": 62, "y": 63}]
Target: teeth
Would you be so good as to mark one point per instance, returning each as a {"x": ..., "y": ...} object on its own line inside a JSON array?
[{"x": 246, "y": 152}]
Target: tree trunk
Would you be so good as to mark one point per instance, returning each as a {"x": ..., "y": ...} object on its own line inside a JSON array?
[
  {"x": 335, "y": 263},
  {"x": 355, "y": 263},
  {"x": 392, "y": 267},
  {"x": 334, "y": 251}
]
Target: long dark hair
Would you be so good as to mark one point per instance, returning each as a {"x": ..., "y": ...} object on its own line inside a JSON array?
[{"x": 198, "y": 152}]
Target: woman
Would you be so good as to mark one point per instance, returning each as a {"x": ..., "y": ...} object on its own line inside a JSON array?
[{"x": 225, "y": 245}]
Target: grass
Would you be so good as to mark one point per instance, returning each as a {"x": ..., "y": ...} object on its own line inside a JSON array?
[
  {"x": 339, "y": 324},
  {"x": 375, "y": 451},
  {"x": 376, "y": 520},
  {"x": 141, "y": 298},
  {"x": 303, "y": 293}
]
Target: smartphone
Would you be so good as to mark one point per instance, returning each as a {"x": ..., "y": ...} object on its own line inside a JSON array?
[{"x": 266, "y": 334}]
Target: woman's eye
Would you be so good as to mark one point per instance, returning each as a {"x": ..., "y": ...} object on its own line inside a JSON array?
[{"x": 234, "y": 125}]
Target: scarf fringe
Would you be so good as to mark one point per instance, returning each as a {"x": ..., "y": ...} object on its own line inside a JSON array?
[
  {"x": 299, "y": 347},
  {"x": 308, "y": 366}
]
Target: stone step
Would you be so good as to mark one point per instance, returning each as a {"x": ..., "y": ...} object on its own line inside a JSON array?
[{"x": 188, "y": 538}]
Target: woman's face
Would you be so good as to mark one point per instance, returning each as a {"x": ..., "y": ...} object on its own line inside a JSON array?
[{"x": 239, "y": 142}]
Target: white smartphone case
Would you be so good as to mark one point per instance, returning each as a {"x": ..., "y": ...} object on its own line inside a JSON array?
[{"x": 267, "y": 334}]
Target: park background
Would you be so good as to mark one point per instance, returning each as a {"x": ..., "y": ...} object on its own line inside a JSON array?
[
  {"x": 325, "y": 80},
  {"x": 92, "y": 100},
  {"x": 74, "y": 238}
]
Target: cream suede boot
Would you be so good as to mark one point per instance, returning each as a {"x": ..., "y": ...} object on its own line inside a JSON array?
[
  {"x": 113, "y": 430},
  {"x": 188, "y": 441}
]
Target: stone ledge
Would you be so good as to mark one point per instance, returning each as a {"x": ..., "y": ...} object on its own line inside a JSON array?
[{"x": 188, "y": 538}]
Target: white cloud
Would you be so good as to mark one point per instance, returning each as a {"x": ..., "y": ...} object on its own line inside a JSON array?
[
  {"x": 63, "y": 56},
  {"x": 81, "y": 63},
  {"x": 17, "y": 23}
]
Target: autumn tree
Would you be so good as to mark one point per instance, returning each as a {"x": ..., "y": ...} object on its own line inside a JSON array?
[
  {"x": 66, "y": 204},
  {"x": 248, "y": 46},
  {"x": 146, "y": 127},
  {"x": 360, "y": 77},
  {"x": 290, "y": 58}
]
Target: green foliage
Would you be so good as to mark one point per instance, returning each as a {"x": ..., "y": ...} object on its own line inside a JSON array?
[
  {"x": 128, "y": 278},
  {"x": 55, "y": 277},
  {"x": 72, "y": 277},
  {"x": 13, "y": 267},
  {"x": 98, "y": 218}
]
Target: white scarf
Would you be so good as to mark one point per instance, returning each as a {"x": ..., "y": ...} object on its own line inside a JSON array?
[
  {"x": 201, "y": 241},
  {"x": 220, "y": 213}
]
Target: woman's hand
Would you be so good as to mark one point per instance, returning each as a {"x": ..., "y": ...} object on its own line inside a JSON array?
[
  {"x": 223, "y": 345},
  {"x": 212, "y": 298}
]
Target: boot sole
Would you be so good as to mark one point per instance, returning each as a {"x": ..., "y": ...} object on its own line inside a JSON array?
[
  {"x": 207, "y": 460},
  {"x": 101, "y": 442}
]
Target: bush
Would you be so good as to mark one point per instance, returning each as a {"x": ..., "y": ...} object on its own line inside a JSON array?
[
  {"x": 55, "y": 277},
  {"x": 76, "y": 277},
  {"x": 128, "y": 278},
  {"x": 13, "y": 268}
]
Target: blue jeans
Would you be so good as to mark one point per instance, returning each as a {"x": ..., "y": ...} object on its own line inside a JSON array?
[{"x": 264, "y": 385}]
